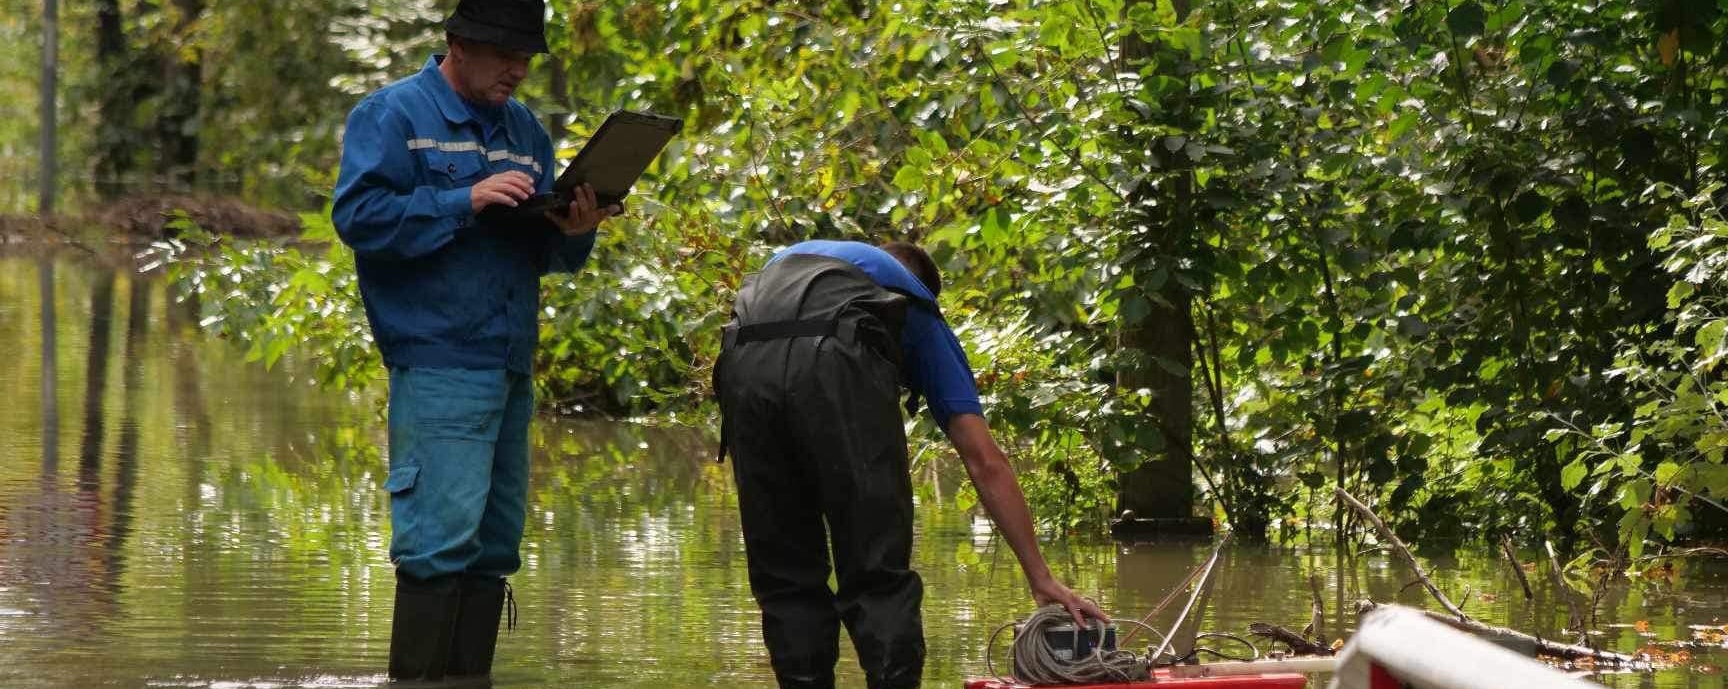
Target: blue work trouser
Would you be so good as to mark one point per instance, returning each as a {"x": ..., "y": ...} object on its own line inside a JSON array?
[{"x": 458, "y": 470}]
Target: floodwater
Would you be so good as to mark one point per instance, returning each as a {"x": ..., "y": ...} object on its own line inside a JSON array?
[{"x": 174, "y": 516}]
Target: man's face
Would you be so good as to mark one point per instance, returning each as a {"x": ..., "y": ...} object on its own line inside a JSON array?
[{"x": 489, "y": 74}]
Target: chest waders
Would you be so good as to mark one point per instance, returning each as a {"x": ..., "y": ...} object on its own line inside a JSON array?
[{"x": 808, "y": 381}]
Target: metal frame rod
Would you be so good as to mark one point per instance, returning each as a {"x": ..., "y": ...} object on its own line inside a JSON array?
[{"x": 1199, "y": 585}]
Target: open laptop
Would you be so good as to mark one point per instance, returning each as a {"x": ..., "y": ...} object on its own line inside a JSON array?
[{"x": 612, "y": 160}]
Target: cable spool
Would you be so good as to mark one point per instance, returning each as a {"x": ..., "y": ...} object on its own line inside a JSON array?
[{"x": 1037, "y": 661}]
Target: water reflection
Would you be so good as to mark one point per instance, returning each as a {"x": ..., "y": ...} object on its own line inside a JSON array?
[
  {"x": 49, "y": 389},
  {"x": 224, "y": 526}
]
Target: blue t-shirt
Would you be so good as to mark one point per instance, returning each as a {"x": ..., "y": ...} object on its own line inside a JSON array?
[{"x": 935, "y": 363}]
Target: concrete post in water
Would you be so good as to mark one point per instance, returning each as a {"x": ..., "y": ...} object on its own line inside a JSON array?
[{"x": 49, "y": 150}]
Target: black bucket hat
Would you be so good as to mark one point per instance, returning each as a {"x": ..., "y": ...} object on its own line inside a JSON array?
[{"x": 509, "y": 24}]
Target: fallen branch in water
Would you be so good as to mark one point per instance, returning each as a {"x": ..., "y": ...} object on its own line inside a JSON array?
[
  {"x": 1521, "y": 642},
  {"x": 1517, "y": 568},
  {"x": 1298, "y": 645},
  {"x": 1685, "y": 552},
  {"x": 1398, "y": 546},
  {"x": 1509, "y": 638}
]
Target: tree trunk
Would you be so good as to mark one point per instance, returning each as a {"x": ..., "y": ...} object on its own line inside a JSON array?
[
  {"x": 1161, "y": 488},
  {"x": 48, "y": 151},
  {"x": 182, "y": 82},
  {"x": 115, "y": 153},
  {"x": 560, "y": 92}
]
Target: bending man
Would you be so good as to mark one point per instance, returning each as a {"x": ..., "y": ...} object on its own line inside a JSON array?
[{"x": 808, "y": 382}]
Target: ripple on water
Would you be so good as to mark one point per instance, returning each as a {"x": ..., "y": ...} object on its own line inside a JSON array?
[{"x": 189, "y": 519}]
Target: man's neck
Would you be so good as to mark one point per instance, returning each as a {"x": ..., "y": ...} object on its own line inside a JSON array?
[{"x": 447, "y": 68}]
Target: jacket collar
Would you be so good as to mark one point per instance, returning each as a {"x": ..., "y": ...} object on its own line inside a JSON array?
[{"x": 451, "y": 105}]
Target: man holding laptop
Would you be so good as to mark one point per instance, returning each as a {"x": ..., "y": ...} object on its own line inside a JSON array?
[{"x": 452, "y": 298}]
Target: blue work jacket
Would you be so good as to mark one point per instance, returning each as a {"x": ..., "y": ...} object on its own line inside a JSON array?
[{"x": 441, "y": 290}]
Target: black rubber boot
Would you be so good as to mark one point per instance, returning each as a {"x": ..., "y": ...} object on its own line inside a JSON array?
[
  {"x": 423, "y": 626},
  {"x": 483, "y": 601}
]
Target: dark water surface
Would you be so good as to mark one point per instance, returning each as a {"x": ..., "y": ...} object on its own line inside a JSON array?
[{"x": 174, "y": 516}]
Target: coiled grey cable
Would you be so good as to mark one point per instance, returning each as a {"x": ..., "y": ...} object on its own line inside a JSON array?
[{"x": 1035, "y": 663}]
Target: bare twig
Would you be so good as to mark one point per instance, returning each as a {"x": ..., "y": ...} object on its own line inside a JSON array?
[
  {"x": 1519, "y": 641},
  {"x": 1615, "y": 565},
  {"x": 1575, "y": 620},
  {"x": 1319, "y": 621},
  {"x": 1517, "y": 568},
  {"x": 1399, "y": 547}
]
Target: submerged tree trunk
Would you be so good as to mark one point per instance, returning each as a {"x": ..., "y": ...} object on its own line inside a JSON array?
[{"x": 1161, "y": 488}]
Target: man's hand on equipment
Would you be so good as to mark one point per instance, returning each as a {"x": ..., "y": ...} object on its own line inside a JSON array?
[
  {"x": 507, "y": 188},
  {"x": 1050, "y": 591},
  {"x": 584, "y": 213}
]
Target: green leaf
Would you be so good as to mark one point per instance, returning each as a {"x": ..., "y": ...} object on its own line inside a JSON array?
[
  {"x": 1135, "y": 309},
  {"x": 1401, "y": 125},
  {"x": 909, "y": 178},
  {"x": 1560, "y": 73},
  {"x": 1172, "y": 367},
  {"x": 1679, "y": 293},
  {"x": 1712, "y": 477},
  {"x": 1573, "y": 474},
  {"x": 994, "y": 229},
  {"x": 1529, "y": 206},
  {"x": 1382, "y": 471},
  {"x": 1634, "y": 494},
  {"x": 1467, "y": 20},
  {"x": 919, "y": 156},
  {"x": 1150, "y": 16},
  {"x": 1666, "y": 517},
  {"x": 1666, "y": 471},
  {"x": 1407, "y": 489},
  {"x": 1188, "y": 40},
  {"x": 1412, "y": 327},
  {"x": 1148, "y": 438},
  {"x": 1709, "y": 338},
  {"x": 1634, "y": 528}
]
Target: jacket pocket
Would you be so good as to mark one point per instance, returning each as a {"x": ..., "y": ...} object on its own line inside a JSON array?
[{"x": 457, "y": 167}]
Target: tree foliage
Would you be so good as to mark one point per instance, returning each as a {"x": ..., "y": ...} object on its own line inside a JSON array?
[{"x": 1460, "y": 257}]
